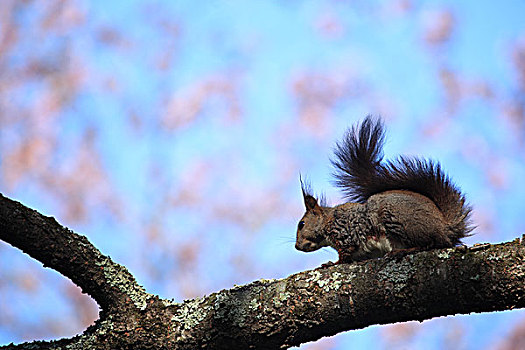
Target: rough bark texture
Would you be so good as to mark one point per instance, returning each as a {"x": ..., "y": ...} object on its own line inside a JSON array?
[{"x": 268, "y": 314}]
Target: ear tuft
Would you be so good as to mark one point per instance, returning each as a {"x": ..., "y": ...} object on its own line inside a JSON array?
[
  {"x": 305, "y": 187},
  {"x": 310, "y": 201}
]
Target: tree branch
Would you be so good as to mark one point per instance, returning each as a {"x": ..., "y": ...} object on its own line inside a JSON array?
[
  {"x": 59, "y": 248},
  {"x": 269, "y": 314}
]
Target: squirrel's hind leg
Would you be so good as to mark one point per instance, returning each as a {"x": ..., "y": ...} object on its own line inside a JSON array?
[{"x": 399, "y": 253}]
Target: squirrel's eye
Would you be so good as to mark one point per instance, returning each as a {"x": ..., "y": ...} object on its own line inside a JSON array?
[{"x": 301, "y": 224}]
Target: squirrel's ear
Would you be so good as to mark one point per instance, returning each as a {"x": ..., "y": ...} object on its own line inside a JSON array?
[{"x": 310, "y": 202}]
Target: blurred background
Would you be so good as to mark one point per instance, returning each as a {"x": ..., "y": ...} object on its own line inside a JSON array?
[{"x": 172, "y": 135}]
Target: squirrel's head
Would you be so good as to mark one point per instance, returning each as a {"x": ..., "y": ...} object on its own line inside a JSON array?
[{"x": 311, "y": 227}]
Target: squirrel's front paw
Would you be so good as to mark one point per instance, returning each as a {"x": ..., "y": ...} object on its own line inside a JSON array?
[{"x": 328, "y": 264}]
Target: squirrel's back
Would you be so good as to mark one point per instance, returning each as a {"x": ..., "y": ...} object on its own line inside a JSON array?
[{"x": 360, "y": 173}]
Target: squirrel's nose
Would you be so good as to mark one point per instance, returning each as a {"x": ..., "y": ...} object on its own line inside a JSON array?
[{"x": 304, "y": 246}]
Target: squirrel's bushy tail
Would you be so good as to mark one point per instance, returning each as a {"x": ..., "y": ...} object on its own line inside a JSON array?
[{"x": 360, "y": 174}]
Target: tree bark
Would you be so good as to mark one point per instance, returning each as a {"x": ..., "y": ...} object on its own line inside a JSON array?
[{"x": 268, "y": 314}]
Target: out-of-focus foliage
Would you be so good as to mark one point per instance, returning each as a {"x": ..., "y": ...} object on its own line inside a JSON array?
[{"x": 172, "y": 134}]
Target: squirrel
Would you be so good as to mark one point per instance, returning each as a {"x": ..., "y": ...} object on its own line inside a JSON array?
[{"x": 408, "y": 204}]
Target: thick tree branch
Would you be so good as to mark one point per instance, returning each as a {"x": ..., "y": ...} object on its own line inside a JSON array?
[
  {"x": 269, "y": 314},
  {"x": 72, "y": 255}
]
